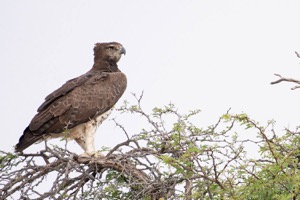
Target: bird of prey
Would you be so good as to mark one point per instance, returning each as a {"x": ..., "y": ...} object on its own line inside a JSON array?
[{"x": 77, "y": 108}]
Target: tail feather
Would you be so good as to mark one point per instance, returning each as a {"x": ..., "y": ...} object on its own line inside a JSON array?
[{"x": 27, "y": 139}]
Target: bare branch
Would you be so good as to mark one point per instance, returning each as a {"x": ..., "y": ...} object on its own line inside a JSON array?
[
  {"x": 297, "y": 54},
  {"x": 283, "y": 79}
]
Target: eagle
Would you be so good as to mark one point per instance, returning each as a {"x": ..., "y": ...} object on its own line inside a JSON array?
[{"x": 78, "y": 107}]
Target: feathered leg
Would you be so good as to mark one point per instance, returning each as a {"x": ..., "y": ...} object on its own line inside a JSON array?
[{"x": 87, "y": 140}]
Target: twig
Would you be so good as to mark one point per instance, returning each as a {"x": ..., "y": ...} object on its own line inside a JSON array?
[{"x": 281, "y": 78}]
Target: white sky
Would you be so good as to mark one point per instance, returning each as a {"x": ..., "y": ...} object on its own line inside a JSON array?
[{"x": 210, "y": 55}]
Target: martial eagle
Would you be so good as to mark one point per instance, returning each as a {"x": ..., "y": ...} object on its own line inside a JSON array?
[{"x": 75, "y": 110}]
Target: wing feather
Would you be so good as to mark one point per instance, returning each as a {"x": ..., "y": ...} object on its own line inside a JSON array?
[{"x": 64, "y": 89}]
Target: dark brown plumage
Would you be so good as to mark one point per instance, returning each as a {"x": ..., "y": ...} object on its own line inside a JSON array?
[{"x": 81, "y": 104}]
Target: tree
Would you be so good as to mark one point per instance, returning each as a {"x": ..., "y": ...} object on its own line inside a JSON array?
[{"x": 171, "y": 158}]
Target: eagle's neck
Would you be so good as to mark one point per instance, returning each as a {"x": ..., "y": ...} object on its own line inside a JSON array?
[{"x": 106, "y": 66}]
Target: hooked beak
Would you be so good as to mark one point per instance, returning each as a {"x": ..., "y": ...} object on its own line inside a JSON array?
[{"x": 123, "y": 51}]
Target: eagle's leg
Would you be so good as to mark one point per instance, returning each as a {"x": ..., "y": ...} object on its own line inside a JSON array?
[
  {"x": 80, "y": 141},
  {"x": 87, "y": 140},
  {"x": 90, "y": 130}
]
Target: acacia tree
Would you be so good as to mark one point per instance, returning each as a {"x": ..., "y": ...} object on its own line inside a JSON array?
[{"x": 170, "y": 158}]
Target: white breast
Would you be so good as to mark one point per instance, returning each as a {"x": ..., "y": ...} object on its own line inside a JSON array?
[
  {"x": 103, "y": 117},
  {"x": 83, "y": 130}
]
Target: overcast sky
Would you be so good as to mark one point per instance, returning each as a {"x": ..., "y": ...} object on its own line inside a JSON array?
[{"x": 211, "y": 55}]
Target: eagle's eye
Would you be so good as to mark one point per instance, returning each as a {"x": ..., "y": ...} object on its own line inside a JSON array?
[{"x": 111, "y": 47}]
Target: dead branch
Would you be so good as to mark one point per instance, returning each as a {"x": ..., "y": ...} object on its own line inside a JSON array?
[
  {"x": 283, "y": 79},
  {"x": 297, "y": 54}
]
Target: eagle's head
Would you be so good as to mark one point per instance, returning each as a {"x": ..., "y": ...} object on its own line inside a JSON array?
[{"x": 110, "y": 52}]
